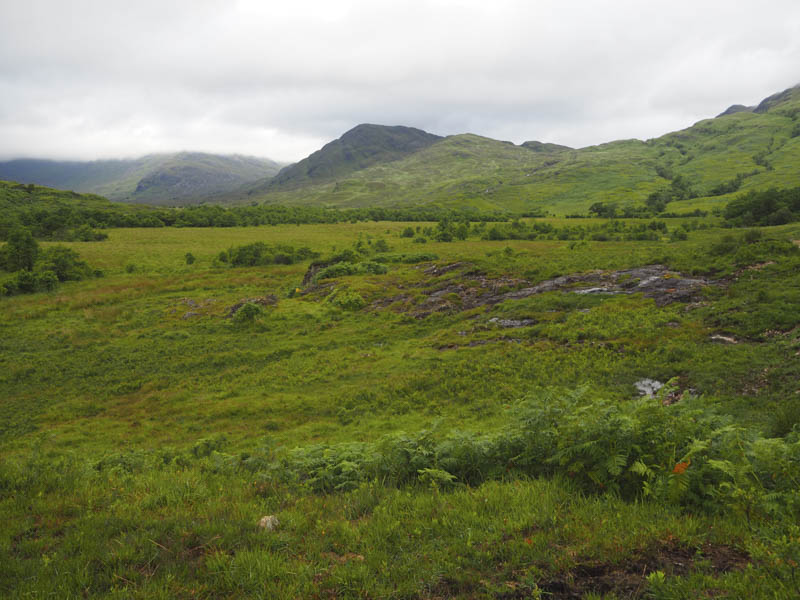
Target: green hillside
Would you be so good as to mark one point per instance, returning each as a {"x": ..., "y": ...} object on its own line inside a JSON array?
[
  {"x": 747, "y": 149},
  {"x": 165, "y": 179},
  {"x": 357, "y": 149},
  {"x": 49, "y": 212}
]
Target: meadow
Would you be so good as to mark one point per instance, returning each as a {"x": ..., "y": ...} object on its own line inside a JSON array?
[{"x": 462, "y": 425}]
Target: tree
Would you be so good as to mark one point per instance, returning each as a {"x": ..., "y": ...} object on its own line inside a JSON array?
[
  {"x": 64, "y": 263},
  {"x": 657, "y": 201},
  {"x": 601, "y": 209},
  {"x": 20, "y": 252}
]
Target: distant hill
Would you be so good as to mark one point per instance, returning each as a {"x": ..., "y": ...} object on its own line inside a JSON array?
[
  {"x": 361, "y": 147},
  {"x": 744, "y": 148},
  {"x": 544, "y": 147},
  {"x": 164, "y": 179}
]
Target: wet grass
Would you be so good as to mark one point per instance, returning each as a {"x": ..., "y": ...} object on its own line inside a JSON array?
[{"x": 133, "y": 410}]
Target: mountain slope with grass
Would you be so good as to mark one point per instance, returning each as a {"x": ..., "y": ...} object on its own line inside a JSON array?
[
  {"x": 361, "y": 147},
  {"x": 695, "y": 168},
  {"x": 164, "y": 179}
]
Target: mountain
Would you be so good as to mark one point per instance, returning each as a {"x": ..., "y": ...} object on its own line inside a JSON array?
[
  {"x": 744, "y": 148},
  {"x": 766, "y": 104},
  {"x": 179, "y": 178},
  {"x": 357, "y": 149}
]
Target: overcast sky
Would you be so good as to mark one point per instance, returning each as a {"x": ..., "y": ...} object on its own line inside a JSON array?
[{"x": 89, "y": 79}]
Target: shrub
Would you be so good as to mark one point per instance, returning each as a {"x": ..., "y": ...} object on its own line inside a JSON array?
[
  {"x": 346, "y": 300},
  {"x": 341, "y": 269},
  {"x": 409, "y": 259},
  {"x": 248, "y": 313},
  {"x": 261, "y": 254},
  {"x": 727, "y": 244},
  {"x": 65, "y": 263},
  {"x": 28, "y": 282}
]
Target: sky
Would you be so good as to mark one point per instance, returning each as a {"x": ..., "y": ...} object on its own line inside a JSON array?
[{"x": 89, "y": 79}]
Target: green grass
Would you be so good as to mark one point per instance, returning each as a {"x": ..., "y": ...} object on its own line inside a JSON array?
[{"x": 143, "y": 434}]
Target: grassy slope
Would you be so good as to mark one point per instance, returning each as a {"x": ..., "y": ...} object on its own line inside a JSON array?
[
  {"x": 471, "y": 170},
  {"x": 14, "y": 195},
  {"x": 114, "y": 368}
]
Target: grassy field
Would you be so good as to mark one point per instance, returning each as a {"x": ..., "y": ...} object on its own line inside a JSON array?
[{"x": 423, "y": 433}]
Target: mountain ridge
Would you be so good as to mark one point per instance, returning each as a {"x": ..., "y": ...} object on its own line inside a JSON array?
[{"x": 170, "y": 178}]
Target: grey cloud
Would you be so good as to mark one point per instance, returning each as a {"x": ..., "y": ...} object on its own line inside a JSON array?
[{"x": 91, "y": 78}]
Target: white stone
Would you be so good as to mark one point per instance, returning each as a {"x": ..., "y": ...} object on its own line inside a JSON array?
[{"x": 268, "y": 523}]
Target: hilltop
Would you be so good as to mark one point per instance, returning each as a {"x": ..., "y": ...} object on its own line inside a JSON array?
[
  {"x": 162, "y": 179},
  {"x": 361, "y": 147}
]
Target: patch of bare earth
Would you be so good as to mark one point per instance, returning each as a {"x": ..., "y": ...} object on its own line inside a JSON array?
[{"x": 629, "y": 579}]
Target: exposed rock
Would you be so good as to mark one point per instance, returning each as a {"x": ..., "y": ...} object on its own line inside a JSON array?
[
  {"x": 723, "y": 339},
  {"x": 597, "y": 290},
  {"x": 508, "y": 323},
  {"x": 653, "y": 281},
  {"x": 648, "y": 387},
  {"x": 269, "y": 523},
  {"x": 474, "y": 290},
  {"x": 436, "y": 270},
  {"x": 189, "y": 315}
]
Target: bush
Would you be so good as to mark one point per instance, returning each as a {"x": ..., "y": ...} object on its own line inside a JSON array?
[
  {"x": 248, "y": 313},
  {"x": 261, "y": 254},
  {"x": 727, "y": 244},
  {"x": 341, "y": 269},
  {"x": 346, "y": 299},
  {"x": 65, "y": 263},
  {"x": 409, "y": 259},
  {"x": 29, "y": 282}
]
